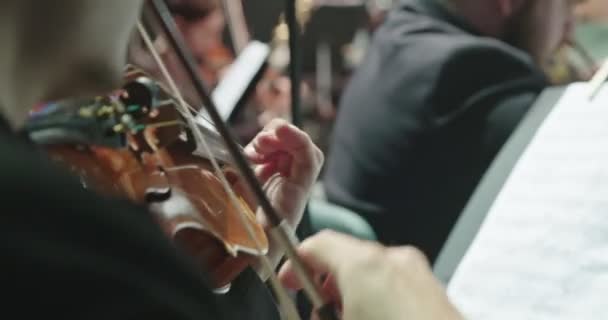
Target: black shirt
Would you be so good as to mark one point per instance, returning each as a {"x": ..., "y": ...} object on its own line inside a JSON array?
[
  {"x": 70, "y": 254},
  {"x": 422, "y": 119}
]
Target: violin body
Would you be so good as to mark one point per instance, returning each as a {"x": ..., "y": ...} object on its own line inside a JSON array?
[
  {"x": 133, "y": 143},
  {"x": 156, "y": 166}
]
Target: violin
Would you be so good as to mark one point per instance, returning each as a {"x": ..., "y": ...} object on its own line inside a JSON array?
[
  {"x": 144, "y": 151},
  {"x": 144, "y": 143}
]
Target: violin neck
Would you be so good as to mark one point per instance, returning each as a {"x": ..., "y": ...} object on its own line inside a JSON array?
[{"x": 235, "y": 19}]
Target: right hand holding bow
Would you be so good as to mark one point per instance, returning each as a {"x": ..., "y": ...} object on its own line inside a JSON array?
[{"x": 370, "y": 281}]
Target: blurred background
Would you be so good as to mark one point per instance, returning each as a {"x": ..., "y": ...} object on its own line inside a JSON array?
[
  {"x": 334, "y": 38},
  {"x": 332, "y": 41}
]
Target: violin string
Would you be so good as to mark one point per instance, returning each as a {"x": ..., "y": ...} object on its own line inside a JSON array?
[
  {"x": 184, "y": 110},
  {"x": 164, "y": 124},
  {"x": 165, "y": 90},
  {"x": 175, "y": 98},
  {"x": 285, "y": 302},
  {"x": 280, "y": 231}
]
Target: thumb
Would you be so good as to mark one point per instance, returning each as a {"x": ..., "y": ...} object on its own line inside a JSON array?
[{"x": 327, "y": 252}]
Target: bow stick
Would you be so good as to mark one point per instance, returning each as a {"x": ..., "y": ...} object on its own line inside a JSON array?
[{"x": 280, "y": 230}]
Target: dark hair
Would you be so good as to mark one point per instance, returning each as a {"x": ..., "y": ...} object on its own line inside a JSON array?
[{"x": 191, "y": 10}]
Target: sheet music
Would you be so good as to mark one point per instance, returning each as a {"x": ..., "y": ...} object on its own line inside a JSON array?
[
  {"x": 236, "y": 80},
  {"x": 542, "y": 252}
]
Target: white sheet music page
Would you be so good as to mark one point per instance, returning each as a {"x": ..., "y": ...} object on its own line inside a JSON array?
[{"x": 542, "y": 251}]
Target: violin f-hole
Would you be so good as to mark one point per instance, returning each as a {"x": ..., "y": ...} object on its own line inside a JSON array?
[{"x": 157, "y": 194}]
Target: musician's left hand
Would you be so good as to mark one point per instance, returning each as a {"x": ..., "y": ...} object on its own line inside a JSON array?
[{"x": 287, "y": 164}]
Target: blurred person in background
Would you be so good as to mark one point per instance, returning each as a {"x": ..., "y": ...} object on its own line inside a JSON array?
[{"x": 442, "y": 87}]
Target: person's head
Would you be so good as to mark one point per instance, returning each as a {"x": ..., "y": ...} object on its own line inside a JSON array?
[
  {"x": 538, "y": 27},
  {"x": 201, "y": 23},
  {"x": 55, "y": 49}
]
